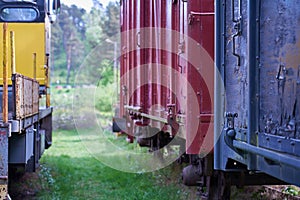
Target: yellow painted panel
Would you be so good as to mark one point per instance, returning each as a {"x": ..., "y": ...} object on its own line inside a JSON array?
[{"x": 29, "y": 39}]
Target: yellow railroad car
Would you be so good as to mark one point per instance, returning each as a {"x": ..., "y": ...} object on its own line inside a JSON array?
[{"x": 25, "y": 126}]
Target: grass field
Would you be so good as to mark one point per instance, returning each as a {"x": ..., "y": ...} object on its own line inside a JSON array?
[{"x": 69, "y": 172}]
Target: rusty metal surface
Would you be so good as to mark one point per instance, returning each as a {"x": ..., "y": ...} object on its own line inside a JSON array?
[
  {"x": 20, "y": 111},
  {"x": 261, "y": 67},
  {"x": 3, "y": 160},
  {"x": 27, "y": 96},
  {"x": 280, "y": 68},
  {"x": 13, "y": 52},
  {"x": 5, "y": 75},
  {"x": 35, "y": 97}
]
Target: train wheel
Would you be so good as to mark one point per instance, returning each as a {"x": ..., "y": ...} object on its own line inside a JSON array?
[{"x": 218, "y": 187}]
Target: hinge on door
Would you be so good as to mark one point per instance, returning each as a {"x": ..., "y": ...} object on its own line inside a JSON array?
[
  {"x": 230, "y": 132},
  {"x": 230, "y": 119}
]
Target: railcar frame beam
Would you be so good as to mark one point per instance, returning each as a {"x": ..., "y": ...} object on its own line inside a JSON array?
[{"x": 281, "y": 158}]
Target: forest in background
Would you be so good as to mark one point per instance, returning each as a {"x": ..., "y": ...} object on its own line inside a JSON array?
[{"x": 85, "y": 38}]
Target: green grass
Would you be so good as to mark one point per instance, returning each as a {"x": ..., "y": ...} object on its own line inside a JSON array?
[{"x": 70, "y": 172}]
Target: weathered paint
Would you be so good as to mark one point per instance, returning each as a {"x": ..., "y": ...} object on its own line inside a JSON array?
[
  {"x": 5, "y": 75},
  {"x": 263, "y": 88},
  {"x": 12, "y": 51},
  {"x": 26, "y": 96},
  {"x": 4, "y": 128},
  {"x": 280, "y": 69}
]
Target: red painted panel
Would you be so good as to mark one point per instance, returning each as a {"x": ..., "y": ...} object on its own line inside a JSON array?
[
  {"x": 124, "y": 19},
  {"x": 175, "y": 17},
  {"x": 200, "y": 75},
  {"x": 192, "y": 19}
]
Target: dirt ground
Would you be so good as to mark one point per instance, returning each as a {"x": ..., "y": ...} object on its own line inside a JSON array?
[{"x": 25, "y": 187}]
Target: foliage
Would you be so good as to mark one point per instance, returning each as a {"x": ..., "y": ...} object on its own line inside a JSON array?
[
  {"x": 106, "y": 72},
  {"x": 104, "y": 103},
  {"x": 94, "y": 32},
  {"x": 111, "y": 22},
  {"x": 76, "y": 34},
  {"x": 62, "y": 100},
  {"x": 71, "y": 172},
  {"x": 292, "y": 190},
  {"x": 68, "y": 34}
]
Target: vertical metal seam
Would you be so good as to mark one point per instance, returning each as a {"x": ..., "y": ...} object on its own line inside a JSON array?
[
  {"x": 219, "y": 74},
  {"x": 253, "y": 56}
]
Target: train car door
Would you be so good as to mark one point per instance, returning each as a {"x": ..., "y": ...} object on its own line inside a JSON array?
[{"x": 200, "y": 73}]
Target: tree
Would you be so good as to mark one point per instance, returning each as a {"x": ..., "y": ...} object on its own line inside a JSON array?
[
  {"x": 76, "y": 14},
  {"x": 71, "y": 26},
  {"x": 97, "y": 5},
  {"x": 56, "y": 39},
  {"x": 78, "y": 33},
  {"x": 111, "y": 25},
  {"x": 94, "y": 31}
]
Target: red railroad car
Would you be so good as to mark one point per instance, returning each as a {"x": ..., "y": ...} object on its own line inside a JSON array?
[
  {"x": 167, "y": 76},
  {"x": 167, "y": 71}
]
